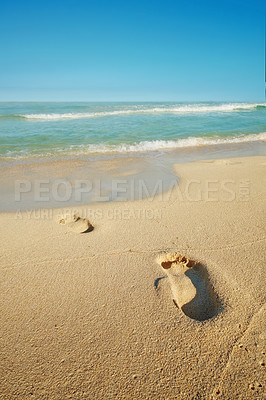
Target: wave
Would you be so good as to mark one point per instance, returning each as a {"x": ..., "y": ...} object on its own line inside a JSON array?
[
  {"x": 144, "y": 146},
  {"x": 174, "y": 109},
  {"x": 169, "y": 144}
]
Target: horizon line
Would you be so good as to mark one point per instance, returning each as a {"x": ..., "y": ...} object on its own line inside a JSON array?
[{"x": 131, "y": 101}]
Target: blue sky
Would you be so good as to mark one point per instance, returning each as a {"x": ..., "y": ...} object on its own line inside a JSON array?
[{"x": 131, "y": 50}]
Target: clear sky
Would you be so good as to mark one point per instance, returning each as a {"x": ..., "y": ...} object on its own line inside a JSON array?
[{"x": 132, "y": 50}]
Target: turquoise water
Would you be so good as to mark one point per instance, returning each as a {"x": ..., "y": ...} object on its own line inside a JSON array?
[{"x": 53, "y": 129}]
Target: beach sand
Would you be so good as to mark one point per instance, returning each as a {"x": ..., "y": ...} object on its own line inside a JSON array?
[{"x": 91, "y": 315}]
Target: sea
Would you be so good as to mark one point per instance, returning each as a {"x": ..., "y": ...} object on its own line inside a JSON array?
[{"x": 72, "y": 129}]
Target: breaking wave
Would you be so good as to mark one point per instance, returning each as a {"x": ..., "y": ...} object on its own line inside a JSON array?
[
  {"x": 168, "y": 144},
  {"x": 144, "y": 146},
  {"x": 173, "y": 109}
]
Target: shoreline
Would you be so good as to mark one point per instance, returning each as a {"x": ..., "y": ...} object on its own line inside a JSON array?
[
  {"x": 206, "y": 148},
  {"x": 57, "y": 183}
]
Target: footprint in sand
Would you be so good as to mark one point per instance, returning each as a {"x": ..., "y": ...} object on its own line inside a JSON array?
[
  {"x": 192, "y": 292},
  {"x": 76, "y": 223}
]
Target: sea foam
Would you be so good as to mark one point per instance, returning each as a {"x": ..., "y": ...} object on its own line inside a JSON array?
[
  {"x": 141, "y": 147},
  {"x": 155, "y": 145},
  {"x": 169, "y": 109},
  {"x": 169, "y": 144}
]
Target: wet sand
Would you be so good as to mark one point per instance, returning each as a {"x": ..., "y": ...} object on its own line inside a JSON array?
[{"x": 32, "y": 184}]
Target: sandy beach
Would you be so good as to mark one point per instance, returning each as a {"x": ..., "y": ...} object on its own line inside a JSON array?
[
  {"x": 132, "y": 200},
  {"x": 91, "y": 315}
]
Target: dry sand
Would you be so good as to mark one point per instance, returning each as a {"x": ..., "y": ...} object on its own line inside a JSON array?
[{"x": 91, "y": 315}]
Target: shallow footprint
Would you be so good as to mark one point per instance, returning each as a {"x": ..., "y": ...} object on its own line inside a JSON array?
[
  {"x": 191, "y": 290},
  {"x": 76, "y": 223}
]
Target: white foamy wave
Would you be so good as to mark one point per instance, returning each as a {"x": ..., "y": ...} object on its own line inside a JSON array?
[
  {"x": 173, "y": 109},
  {"x": 146, "y": 146}
]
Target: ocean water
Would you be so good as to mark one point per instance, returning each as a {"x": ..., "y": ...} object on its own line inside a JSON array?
[{"x": 39, "y": 130}]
